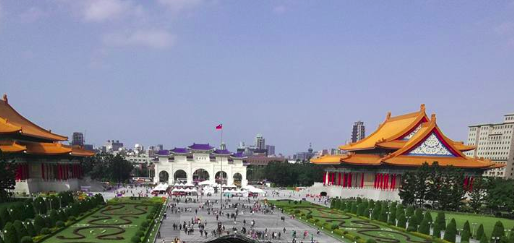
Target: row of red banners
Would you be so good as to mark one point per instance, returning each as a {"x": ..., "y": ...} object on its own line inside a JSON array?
[{"x": 61, "y": 171}]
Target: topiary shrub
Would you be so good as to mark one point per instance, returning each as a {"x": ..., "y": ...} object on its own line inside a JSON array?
[
  {"x": 45, "y": 231},
  {"x": 484, "y": 239},
  {"x": 334, "y": 226},
  {"x": 72, "y": 218},
  {"x": 465, "y": 235},
  {"x": 26, "y": 239},
  {"x": 145, "y": 224},
  {"x": 498, "y": 230},
  {"x": 59, "y": 224},
  {"x": 135, "y": 239},
  {"x": 371, "y": 241},
  {"x": 20, "y": 229},
  {"x": 451, "y": 231},
  {"x": 30, "y": 229},
  {"x": 480, "y": 232},
  {"x": 10, "y": 235}
]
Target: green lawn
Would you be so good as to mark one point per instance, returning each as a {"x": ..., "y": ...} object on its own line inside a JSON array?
[
  {"x": 364, "y": 229},
  {"x": 487, "y": 221},
  {"x": 114, "y": 223}
]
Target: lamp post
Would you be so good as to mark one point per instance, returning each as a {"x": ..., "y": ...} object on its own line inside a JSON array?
[
  {"x": 495, "y": 238},
  {"x": 388, "y": 213},
  {"x": 408, "y": 221},
  {"x": 474, "y": 224}
]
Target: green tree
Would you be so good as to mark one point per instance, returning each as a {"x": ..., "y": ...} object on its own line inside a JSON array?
[
  {"x": 465, "y": 236},
  {"x": 466, "y": 227},
  {"x": 10, "y": 235},
  {"x": 500, "y": 195},
  {"x": 402, "y": 221},
  {"x": 30, "y": 229},
  {"x": 441, "y": 220},
  {"x": 480, "y": 232},
  {"x": 4, "y": 217},
  {"x": 7, "y": 177},
  {"x": 498, "y": 230},
  {"x": 383, "y": 213},
  {"x": 20, "y": 229},
  {"x": 484, "y": 239},
  {"x": 477, "y": 194},
  {"x": 392, "y": 219},
  {"x": 361, "y": 210},
  {"x": 400, "y": 209},
  {"x": 410, "y": 211},
  {"x": 26, "y": 239},
  {"x": 54, "y": 217},
  {"x": 354, "y": 207},
  {"x": 39, "y": 223},
  {"x": 376, "y": 211},
  {"x": 436, "y": 232},
  {"x": 424, "y": 227},
  {"x": 451, "y": 231},
  {"x": 349, "y": 206}
]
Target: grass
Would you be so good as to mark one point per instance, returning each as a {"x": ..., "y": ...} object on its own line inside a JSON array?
[
  {"x": 364, "y": 229},
  {"x": 119, "y": 221},
  {"x": 487, "y": 221}
]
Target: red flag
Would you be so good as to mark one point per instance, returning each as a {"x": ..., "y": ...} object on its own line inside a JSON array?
[{"x": 219, "y": 127}]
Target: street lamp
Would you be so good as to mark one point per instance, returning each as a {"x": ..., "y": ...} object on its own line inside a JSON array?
[
  {"x": 495, "y": 238},
  {"x": 474, "y": 224},
  {"x": 388, "y": 213},
  {"x": 370, "y": 211}
]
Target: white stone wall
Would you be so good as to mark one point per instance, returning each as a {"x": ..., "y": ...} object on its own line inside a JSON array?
[
  {"x": 38, "y": 185},
  {"x": 200, "y": 161}
]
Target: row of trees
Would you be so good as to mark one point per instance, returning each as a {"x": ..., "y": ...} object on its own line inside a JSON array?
[
  {"x": 18, "y": 227},
  {"x": 286, "y": 174},
  {"x": 7, "y": 177},
  {"x": 416, "y": 220},
  {"x": 444, "y": 188},
  {"x": 108, "y": 167}
]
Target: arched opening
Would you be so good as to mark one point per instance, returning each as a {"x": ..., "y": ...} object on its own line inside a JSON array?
[
  {"x": 237, "y": 179},
  {"x": 221, "y": 175},
  {"x": 180, "y": 176},
  {"x": 323, "y": 194},
  {"x": 200, "y": 175},
  {"x": 164, "y": 176}
]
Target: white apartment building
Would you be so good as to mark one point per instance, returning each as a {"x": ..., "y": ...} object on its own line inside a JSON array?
[{"x": 494, "y": 142}]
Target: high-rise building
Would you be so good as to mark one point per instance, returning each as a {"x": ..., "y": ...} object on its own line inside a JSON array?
[
  {"x": 113, "y": 145},
  {"x": 358, "y": 131},
  {"x": 270, "y": 149},
  {"x": 494, "y": 142},
  {"x": 260, "y": 142},
  {"x": 78, "y": 139}
]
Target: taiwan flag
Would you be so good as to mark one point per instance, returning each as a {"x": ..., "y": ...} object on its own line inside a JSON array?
[{"x": 219, "y": 127}]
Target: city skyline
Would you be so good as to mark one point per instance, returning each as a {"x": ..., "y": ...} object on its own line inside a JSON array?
[{"x": 167, "y": 72}]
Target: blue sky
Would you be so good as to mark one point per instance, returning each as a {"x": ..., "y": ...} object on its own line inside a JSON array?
[{"x": 169, "y": 71}]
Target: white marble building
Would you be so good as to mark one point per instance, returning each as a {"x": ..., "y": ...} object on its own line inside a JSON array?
[{"x": 200, "y": 162}]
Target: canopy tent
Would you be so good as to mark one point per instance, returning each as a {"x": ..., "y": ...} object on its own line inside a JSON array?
[
  {"x": 161, "y": 187},
  {"x": 206, "y": 183}
]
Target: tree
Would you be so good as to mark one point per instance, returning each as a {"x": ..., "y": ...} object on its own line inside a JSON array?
[
  {"x": 410, "y": 211},
  {"x": 436, "y": 232},
  {"x": 480, "y": 232},
  {"x": 120, "y": 169},
  {"x": 10, "y": 235},
  {"x": 392, "y": 219},
  {"x": 451, "y": 231},
  {"x": 466, "y": 227},
  {"x": 383, "y": 213},
  {"x": 477, "y": 194},
  {"x": 441, "y": 220},
  {"x": 424, "y": 227},
  {"x": 39, "y": 223},
  {"x": 500, "y": 195},
  {"x": 465, "y": 236},
  {"x": 498, "y": 230},
  {"x": 54, "y": 217},
  {"x": 4, "y": 217},
  {"x": 484, "y": 239},
  {"x": 400, "y": 209},
  {"x": 402, "y": 221},
  {"x": 26, "y": 239},
  {"x": 376, "y": 211},
  {"x": 30, "y": 229},
  {"x": 361, "y": 210},
  {"x": 20, "y": 229},
  {"x": 7, "y": 177}
]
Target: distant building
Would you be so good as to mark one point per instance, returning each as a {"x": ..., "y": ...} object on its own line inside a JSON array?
[
  {"x": 305, "y": 156},
  {"x": 260, "y": 142},
  {"x": 113, "y": 146},
  {"x": 494, "y": 142},
  {"x": 358, "y": 131},
  {"x": 77, "y": 139},
  {"x": 262, "y": 160},
  {"x": 270, "y": 149}
]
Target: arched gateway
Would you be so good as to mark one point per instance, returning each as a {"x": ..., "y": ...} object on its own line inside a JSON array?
[{"x": 201, "y": 162}]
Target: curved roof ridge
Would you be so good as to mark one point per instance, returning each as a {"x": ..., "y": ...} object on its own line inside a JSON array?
[{"x": 45, "y": 134}]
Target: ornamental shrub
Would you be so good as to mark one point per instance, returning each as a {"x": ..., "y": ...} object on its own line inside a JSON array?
[
  {"x": 410, "y": 211},
  {"x": 400, "y": 209},
  {"x": 39, "y": 223},
  {"x": 348, "y": 207},
  {"x": 451, "y": 231},
  {"x": 26, "y": 239},
  {"x": 412, "y": 223},
  {"x": 424, "y": 227},
  {"x": 465, "y": 235},
  {"x": 72, "y": 218},
  {"x": 53, "y": 218},
  {"x": 376, "y": 211},
  {"x": 392, "y": 218},
  {"x": 334, "y": 226},
  {"x": 411, "y": 228},
  {"x": 59, "y": 224},
  {"x": 402, "y": 221},
  {"x": 498, "y": 230},
  {"x": 370, "y": 240},
  {"x": 480, "y": 232},
  {"x": 30, "y": 229},
  {"x": 466, "y": 227},
  {"x": 20, "y": 229},
  {"x": 483, "y": 239},
  {"x": 135, "y": 239},
  {"x": 45, "y": 231},
  {"x": 441, "y": 220},
  {"x": 4, "y": 217},
  {"x": 144, "y": 224},
  {"x": 10, "y": 235},
  {"x": 436, "y": 232}
]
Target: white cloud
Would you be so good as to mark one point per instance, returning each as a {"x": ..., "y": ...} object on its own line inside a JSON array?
[
  {"x": 279, "y": 9},
  {"x": 32, "y": 14},
  {"x": 180, "y": 5},
  {"x": 103, "y": 10},
  {"x": 159, "y": 39}
]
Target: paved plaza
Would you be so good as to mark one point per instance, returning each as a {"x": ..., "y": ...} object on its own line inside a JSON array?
[{"x": 264, "y": 222}]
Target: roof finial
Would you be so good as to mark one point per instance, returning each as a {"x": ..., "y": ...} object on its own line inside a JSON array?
[
  {"x": 5, "y": 99},
  {"x": 422, "y": 107},
  {"x": 388, "y": 115},
  {"x": 432, "y": 117}
]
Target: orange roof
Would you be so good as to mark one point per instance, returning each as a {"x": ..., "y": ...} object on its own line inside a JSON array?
[
  {"x": 14, "y": 122},
  {"x": 391, "y": 129},
  {"x": 47, "y": 148},
  {"x": 362, "y": 159},
  {"x": 459, "y": 162},
  {"x": 328, "y": 159},
  {"x": 80, "y": 151},
  {"x": 11, "y": 147}
]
